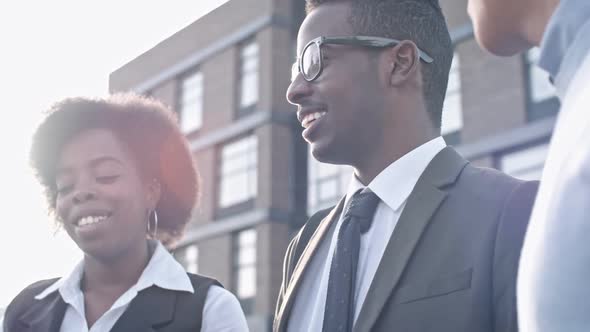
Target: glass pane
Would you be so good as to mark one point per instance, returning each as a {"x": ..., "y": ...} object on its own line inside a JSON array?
[
  {"x": 325, "y": 170},
  {"x": 238, "y": 163},
  {"x": 327, "y": 183},
  {"x": 246, "y": 282},
  {"x": 236, "y": 147},
  {"x": 247, "y": 256},
  {"x": 192, "y": 268},
  {"x": 191, "y": 253},
  {"x": 239, "y": 171},
  {"x": 249, "y": 73},
  {"x": 345, "y": 176},
  {"x": 250, "y": 50},
  {"x": 525, "y": 164},
  {"x": 195, "y": 79},
  {"x": 452, "y": 115},
  {"x": 191, "y": 258},
  {"x": 311, "y": 199},
  {"x": 241, "y": 154},
  {"x": 234, "y": 189},
  {"x": 250, "y": 66},
  {"x": 454, "y": 85},
  {"x": 191, "y": 118},
  {"x": 192, "y": 94},
  {"x": 191, "y": 107},
  {"x": 328, "y": 189},
  {"x": 247, "y": 237},
  {"x": 249, "y": 86}
]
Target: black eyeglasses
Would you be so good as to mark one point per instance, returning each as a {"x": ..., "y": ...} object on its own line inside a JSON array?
[{"x": 309, "y": 63}]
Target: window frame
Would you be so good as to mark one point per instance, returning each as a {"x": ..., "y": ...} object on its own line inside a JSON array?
[
  {"x": 181, "y": 101},
  {"x": 241, "y": 109}
]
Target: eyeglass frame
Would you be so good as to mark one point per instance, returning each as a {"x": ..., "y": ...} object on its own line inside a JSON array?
[{"x": 365, "y": 41}]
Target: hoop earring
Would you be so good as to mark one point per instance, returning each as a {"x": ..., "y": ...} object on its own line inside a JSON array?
[{"x": 149, "y": 227}]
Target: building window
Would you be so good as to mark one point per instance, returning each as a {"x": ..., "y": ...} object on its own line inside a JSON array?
[
  {"x": 245, "y": 268},
  {"x": 526, "y": 164},
  {"x": 248, "y": 96},
  {"x": 239, "y": 174},
  {"x": 191, "y": 102},
  {"x": 542, "y": 101},
  {"x": 452, "y": 116},
  {"x": 327, "y": 183},
  {"x": 191, "y": 259}
]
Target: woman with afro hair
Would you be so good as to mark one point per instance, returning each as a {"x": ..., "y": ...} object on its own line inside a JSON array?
[{"x": 120, "y": 179}]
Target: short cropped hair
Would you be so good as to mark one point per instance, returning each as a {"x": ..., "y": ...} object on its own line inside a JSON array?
[
  {"x": 420, "y": 21},
  {"x": 147, "y": 128}
]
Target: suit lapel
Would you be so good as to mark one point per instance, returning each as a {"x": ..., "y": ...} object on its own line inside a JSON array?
[
  {"x": 301, "y": 265},
  {"x": 152, "y": 306},
  {"x": 422, "y": 204},
  {"x": 45, "y": 315}
]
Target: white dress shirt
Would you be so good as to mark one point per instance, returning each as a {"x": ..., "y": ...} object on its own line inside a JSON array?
[
  {"x": 554, "y": 273},
  {"x": 393, "y": 187},
  {"x": 222, "y": 311}
]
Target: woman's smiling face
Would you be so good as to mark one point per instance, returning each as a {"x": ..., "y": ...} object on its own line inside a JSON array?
[{"x": 102, "y": 199}]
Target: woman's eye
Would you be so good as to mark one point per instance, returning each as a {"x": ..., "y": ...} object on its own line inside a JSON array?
[{"x": 107, "y": 179}]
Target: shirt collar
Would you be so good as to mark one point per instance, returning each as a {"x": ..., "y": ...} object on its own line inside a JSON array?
[
  {"x": 68, "y": 286},
  {"x": 162, "y": 271},
  {"x": 565, "y": 43},
  {"x": 403, "y": 173}
]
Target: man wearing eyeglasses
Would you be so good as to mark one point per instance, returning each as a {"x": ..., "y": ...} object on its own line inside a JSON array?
[
  {"x": 423, "y": 240},
  {"x": 554, "y": 275}
]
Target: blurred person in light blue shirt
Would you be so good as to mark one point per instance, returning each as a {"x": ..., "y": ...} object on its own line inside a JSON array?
[{"x": 553, "y": 287}]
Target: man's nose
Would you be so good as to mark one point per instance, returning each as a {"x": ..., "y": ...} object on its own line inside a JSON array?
[{"x": 298, "y": 90}]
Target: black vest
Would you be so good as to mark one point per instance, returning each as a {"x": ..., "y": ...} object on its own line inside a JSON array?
[{"x": 153, "y": 309}]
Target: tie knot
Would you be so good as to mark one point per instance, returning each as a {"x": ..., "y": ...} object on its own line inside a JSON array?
[{"x": 362, "y": 206}]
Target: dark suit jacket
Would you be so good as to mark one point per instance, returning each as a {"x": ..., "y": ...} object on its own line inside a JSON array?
[
  {"x": 153, "y": 309},
  {"x": 451, "y": 262}
]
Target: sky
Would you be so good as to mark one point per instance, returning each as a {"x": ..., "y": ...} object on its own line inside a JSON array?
[{"x": 50, "y": 50}]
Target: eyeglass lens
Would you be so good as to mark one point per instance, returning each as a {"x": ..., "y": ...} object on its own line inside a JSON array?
[{"x": 310, "y": 62}]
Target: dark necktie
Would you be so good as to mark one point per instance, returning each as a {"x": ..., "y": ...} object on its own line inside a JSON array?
[{"x": 339, "y": 310}]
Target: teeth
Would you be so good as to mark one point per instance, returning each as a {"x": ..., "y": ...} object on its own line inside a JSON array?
[
  {"x": 309, "y": 118},
  {"x": 90, "y": 220}
]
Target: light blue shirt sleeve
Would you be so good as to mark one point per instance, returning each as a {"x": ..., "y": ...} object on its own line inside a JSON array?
[
  {"x": 222, "y": 312},
  {"x": 553, "y": 292}
]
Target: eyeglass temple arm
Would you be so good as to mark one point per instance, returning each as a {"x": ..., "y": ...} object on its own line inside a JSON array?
[{"x": 373, "y": 42}]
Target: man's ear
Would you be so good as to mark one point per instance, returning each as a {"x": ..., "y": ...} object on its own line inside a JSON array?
[
  {"x": 403, "y": 62},
  {"x": 154, "y": 190}
]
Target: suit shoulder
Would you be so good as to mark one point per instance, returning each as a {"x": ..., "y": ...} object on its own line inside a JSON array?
[
  {"x": 501, "y": 195},
  {"x": 198, "y": 280},
  {"x": 37, "y": 287},
  {"x": 24, "y": 299},
  {"x": 313, "y": 222},
  {"x": 494, "y": 184},
  {"x": 527, "y": 189},
  {"x": 300, "y": 240},
  {"x": 519, "y": 203},
  {"x": 321, "y": 214}
]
